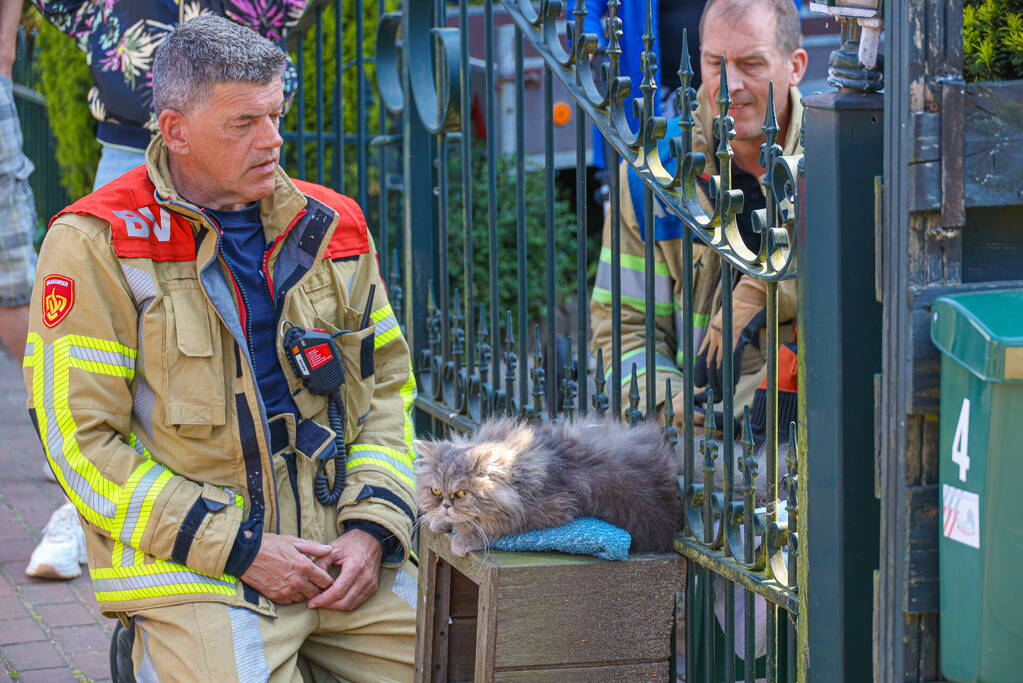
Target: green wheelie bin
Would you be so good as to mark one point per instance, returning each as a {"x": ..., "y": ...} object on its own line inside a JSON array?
[{"x": 980, "y": 336}]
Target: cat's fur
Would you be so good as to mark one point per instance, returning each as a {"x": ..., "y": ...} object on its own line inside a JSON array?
[{"x": 518, "y": 476}]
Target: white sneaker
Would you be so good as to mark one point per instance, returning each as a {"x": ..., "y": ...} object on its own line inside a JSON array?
[{"x": 62, "y": 549}]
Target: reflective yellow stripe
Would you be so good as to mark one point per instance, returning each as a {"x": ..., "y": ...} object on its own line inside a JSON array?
[
  {"x": 390, "y": 459},
  {"x": 381, "y": 313},
  {"x": 157, "y": 579},
  {"x": 403, "y": 458},
  {"x": 408, "y": 398},
  {"x": 603, "y": 296},
  {"x": 93, "y": 494},
  {"x": 387, "y": 329},
  {"x": 387, "y": 337},
  {"x": 634, "y": 262}
]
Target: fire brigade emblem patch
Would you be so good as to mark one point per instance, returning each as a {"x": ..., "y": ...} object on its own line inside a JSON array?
[{"x": 58, "y": 298}]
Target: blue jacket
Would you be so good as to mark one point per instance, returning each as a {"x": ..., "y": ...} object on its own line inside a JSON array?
[{"x": 633, "y": 16}]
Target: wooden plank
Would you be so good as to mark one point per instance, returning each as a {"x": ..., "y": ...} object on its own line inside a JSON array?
[
  {"x": 613, "y": 611},
  {"x": 425, "y": 614},
  {"x": 464, "y": 596},
  {"x": 486, "y": 628},
  {"x": 929, "y": 648},
  {"x": 921, "y": 538},
  {"x": 461, "y": 665},
  {"x": 993, "y": 133},
  {"x": 653, "y": 671},
  {"x": 441, "y": 621}
]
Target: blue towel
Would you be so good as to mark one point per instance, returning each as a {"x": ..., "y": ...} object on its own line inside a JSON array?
[{"x": 583, "y": 536}]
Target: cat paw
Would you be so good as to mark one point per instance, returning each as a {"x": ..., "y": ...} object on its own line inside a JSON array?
[
  {"x": 463, "y": 546},
  {"x": 438, "y": 526}
]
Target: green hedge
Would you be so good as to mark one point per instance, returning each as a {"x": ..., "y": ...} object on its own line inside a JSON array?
[
  {"x": 992, "y": 40},
  {"x": 64, "y": 81}
]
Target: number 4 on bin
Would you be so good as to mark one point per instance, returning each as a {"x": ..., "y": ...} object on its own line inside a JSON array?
[{"x": 960, "y": 447}]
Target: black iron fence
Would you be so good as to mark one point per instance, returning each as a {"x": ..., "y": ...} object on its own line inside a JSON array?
[{"x": 497, "y": 268}]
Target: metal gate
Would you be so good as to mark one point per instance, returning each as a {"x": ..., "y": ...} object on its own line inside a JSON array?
[{"x": 491, "y": 269}]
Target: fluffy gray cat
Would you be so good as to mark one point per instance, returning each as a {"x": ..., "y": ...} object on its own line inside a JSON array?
[{"x": 513, "y": 476}]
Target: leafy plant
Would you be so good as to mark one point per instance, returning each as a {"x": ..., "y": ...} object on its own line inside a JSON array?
[
  {"x": 349, "y": 90},
  {"x": 992, "y": 40},
  {"x": 64, "y": 81},
  {"x": 508, "y": 275}
]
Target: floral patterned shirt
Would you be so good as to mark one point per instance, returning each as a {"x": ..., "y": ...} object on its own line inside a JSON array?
[{"x": 120, "y": 37}]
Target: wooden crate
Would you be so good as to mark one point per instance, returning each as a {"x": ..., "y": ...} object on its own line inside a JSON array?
[{"x": 535, "y": 617}]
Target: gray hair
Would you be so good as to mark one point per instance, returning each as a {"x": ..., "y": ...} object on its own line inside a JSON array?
[
  {"x": 788, "y": 30},
  {"x": 208, "y": 50}
]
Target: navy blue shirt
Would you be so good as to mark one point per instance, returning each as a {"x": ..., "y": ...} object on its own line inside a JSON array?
[{"x": 243, "y": 246}]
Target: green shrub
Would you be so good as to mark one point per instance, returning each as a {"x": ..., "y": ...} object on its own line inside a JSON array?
[
  {"x": 64, "y": 81},
  {"x": 507, "y": 237},
  {"x": 349, "y": 92},
  {"x": 992, "y": 40}
]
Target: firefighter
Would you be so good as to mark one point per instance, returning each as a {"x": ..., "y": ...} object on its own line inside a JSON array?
[
  {"x": 760, "y": 42},
  {"x": 207, "y": 473}
]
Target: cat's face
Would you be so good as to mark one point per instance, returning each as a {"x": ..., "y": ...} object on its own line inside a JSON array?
[{"x": 460, "y": 482}]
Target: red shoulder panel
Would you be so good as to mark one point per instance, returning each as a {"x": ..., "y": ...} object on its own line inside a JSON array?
[
  {"x": 140, "y": 227},
  {"x": 351, "y": 237}
]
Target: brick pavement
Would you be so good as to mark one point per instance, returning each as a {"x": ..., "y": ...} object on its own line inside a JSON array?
[{"x": 49, "y": 630}]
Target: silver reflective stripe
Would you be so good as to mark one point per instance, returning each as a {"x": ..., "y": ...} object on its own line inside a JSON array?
[
  {"x": 142, "y": 401},
  {"x": 382, "y": 457},
  {"x": 385, "y": 324},
  {"x": 142, "y": 289},
  {"x": 99, "y": 356},
  {"x": 30, "y": 348},
  {"x": 138, "y": 497},
  {"x": 55, "y": 445},
  {"x": 406, "y": 587},
  {"x": 698, "y": 334},
  {"x": 249, "y": 658},
  {"x": 147, "y": 671},
  {"x": 634, "y": 283},
  {"x": 141, "y": 581}
]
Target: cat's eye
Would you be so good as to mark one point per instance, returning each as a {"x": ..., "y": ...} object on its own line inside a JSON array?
[
  {"x": 435, "y": 492},
  {"x": 460, "y": 494}
]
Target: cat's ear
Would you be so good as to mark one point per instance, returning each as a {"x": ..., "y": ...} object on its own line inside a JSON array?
[{"x": 424, "y": 448}]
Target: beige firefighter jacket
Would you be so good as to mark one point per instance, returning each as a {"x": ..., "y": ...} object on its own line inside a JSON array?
[
  {"x": 140, "y": 382},
  {"x": 668, "y": 281}
]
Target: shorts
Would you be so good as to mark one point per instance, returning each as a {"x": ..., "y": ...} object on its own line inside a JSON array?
[{"x": 17, "y": 208}]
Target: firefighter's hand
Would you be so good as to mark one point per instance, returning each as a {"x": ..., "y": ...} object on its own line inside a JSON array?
[
  {"x": 359, "y": 555},
  {"x": 282, "y": 571}
]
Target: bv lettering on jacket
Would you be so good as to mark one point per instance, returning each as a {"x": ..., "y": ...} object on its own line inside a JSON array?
[
  {"x": 141, "y": 228},
  {"x": 58, "y": 298}
]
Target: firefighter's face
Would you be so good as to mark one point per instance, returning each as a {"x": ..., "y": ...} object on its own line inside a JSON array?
[
  {"x": 753, "y": 59},
  {"x": 227, "y": 147}
]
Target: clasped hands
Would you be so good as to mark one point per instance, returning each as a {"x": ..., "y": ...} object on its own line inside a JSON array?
[{"x": 284, "y": 572}]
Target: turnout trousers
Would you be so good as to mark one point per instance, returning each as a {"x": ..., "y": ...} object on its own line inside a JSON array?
[{"x": 208, "y": 641}]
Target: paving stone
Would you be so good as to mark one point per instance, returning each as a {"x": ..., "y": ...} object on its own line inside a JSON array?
[
  {"x": 22, "y": 630},
  {"x": 46, "y": 592},
  {"x": 57, "y": 675},
  {"x": 17, "y": 548},
  {"x": 77, "y": 639},
  {"x": 11, "y": 608},
  {"x": 94, "y": 664},
  {"x": 66, "y": 615},
  {"x": 39, "y": 655}
]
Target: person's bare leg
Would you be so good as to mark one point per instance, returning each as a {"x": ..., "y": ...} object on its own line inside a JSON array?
[{"x": 14, "y": 329}]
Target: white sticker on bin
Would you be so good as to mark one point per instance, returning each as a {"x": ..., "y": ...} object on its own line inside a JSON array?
[{"x": 961, "y": 515}]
